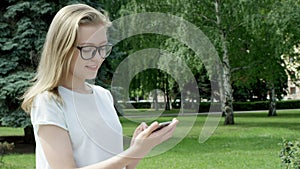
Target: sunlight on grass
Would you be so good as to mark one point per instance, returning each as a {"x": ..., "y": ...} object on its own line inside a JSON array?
[{"x": 10, "y": 131}]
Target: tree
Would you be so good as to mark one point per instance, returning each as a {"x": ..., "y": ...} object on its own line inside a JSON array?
[
  {"x": 168, "y": 44},
  {"x": 245, "y": 47},
  {"x": 272, "y": 25},
  {"x": 23, "y": 29},
  {"x": 153, "y": 79},
  {"x": 219, "y": 20},
  {"x": 25, "y": 25}
]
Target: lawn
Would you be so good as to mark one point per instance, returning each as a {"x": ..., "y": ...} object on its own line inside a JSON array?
[
  {"x": 9, "y": 131},
  {"x": 252, "y": 143}
]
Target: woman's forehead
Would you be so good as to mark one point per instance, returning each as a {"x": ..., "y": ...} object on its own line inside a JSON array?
[{"x": 92, "y": 34}]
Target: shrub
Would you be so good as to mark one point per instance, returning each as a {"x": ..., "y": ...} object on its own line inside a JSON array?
[
  {"x": 290, "y": 154},
  {"x": 142, "y": 105},
  {"x": 264, "y": 105},
  {"x": 246, "y": 106},
  {"x": 237, "y": 106},
  {"x": 288, "y": 104}
]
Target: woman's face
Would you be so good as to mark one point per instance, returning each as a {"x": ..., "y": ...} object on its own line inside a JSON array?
[{"x": 88, "y": 35}]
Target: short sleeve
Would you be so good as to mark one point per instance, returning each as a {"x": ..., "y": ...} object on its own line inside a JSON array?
[
  {"x": 110, "y": 97},
  {"x": 106, "y": 94},
  {"x": 47, "y": 111}
]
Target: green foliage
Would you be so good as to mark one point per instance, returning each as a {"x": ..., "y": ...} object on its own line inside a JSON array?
[
  {"x": 142, "y": 105},
  {"x": 7, "y": 65},
  {"x": 288, "y": 104},
  {"x": 290, "y": 154},
  {"x": 257, "y": 35},
  {"x": 23, "y": 30},
  {"x": 25, "y": 24},
  {"x": 248, "y": 106},
  {"x": 264, "y": 105},
  {"x": 271, "y": 26},
  {"x": 174, "y": 54},
  {"x": 11, "y": 89},
  {"x": 28, "y": 22},
  {"x": 257, "y": 32}
]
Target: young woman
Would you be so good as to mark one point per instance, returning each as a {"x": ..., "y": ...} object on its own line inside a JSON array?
[{"x": 75, "y": 123}]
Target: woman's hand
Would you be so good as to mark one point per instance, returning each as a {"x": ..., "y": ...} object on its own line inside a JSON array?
[
  {"x": 145, "y": 139},
  {"x": 57, "y": 146},
  {"x": 143, "y": 126}
]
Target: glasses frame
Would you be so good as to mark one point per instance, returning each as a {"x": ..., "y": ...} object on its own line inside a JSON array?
[{"x": 97, "y": 48}]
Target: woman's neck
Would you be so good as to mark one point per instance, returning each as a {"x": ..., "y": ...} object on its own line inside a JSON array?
[{"x": 77, "y": 86}]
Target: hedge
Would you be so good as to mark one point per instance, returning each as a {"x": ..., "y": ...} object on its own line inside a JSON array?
[
  {"x": 237, "y": 106},
  {"x": 264, "y": 105}
]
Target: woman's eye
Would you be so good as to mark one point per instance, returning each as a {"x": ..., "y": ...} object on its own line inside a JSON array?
[{"x": 87, "y": 49}]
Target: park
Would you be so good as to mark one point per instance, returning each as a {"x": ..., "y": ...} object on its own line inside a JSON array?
[
  {"x": 228, "y": 71},
  {"x": 254, "y": 142}
]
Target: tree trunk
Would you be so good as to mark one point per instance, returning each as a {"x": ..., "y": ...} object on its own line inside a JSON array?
[
  {"x": 272, "y": 107},
  {"x": 155, "y": 100},
  {"x": 227, "y": 107},
  {"x": 29, "y": 135},
  {"x": 167, "y": 94},
  {"x": 222, "y": 93}
]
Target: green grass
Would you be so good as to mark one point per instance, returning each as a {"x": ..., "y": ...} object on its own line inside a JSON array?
[
  {"x": 252, "y": 143},
  {"x": 10, "y": 131},
  {"x": 18, "y": 161}
]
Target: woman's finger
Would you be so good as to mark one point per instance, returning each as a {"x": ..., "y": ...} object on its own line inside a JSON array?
[
  {"x": 139, "y": 129},
  {"x": 151, "y": 128}
]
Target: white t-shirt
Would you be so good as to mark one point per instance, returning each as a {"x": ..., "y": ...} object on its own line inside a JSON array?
[{"x": 90, "y": 119}]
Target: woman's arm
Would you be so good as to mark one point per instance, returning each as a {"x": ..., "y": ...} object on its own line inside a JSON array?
[
  {"x": 143, "y": 126},
  {"x": 58, "y": 150}
]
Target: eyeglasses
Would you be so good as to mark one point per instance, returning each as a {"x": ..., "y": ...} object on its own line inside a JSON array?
[{"x": 88, "y": 52}]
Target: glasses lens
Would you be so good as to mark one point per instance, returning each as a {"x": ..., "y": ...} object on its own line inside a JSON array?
[
  {"x": 104, "y": 51},
  {"x": 88, "y": 52}
]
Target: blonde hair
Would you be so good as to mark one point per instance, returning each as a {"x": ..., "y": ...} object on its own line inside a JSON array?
[{"x": 59, "y": 48}]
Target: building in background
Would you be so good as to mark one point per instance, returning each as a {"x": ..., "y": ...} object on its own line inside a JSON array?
[
  {"x": 293, "y": 65},
  {"x": 293, "y": 91}
]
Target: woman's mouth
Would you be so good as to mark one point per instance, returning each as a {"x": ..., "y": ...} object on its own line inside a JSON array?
[{"x": 92, "y": 67}]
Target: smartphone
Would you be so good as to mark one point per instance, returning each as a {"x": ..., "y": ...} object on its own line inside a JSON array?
[{"x": 162, "y": 125}]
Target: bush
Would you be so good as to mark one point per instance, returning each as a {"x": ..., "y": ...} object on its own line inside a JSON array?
[
  {"x": 290, "y": 154},
  {"x": 247, "y": 106},
  {"x": 264, "y": 105},
  {"x": 288, "y": 104},
  {"x": 136, "y": 105},
  {"x": 142, "y": 105},
  {"x": 204, "y": 107},
  {"x": 237, "y": 106}
]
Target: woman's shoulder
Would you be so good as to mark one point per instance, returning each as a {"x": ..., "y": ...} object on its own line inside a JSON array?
[
  {"x": 99, "y": 89},
  {"x": 102, "y": 92},
  {"x": 46, "y": 98},
  {"x": 42, "y": 96}
]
